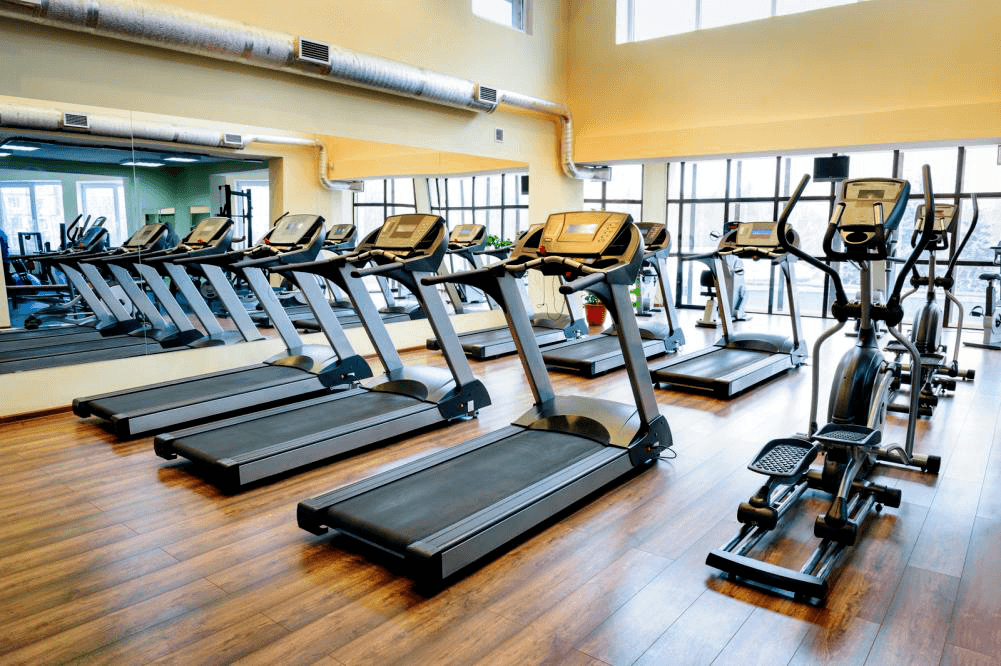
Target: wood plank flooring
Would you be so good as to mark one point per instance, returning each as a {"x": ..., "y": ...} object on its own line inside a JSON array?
[{"x": 109, "y": 554}]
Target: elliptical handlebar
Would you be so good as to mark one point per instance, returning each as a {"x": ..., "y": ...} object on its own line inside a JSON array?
[
  {"x": 926, "y": 237},
  {"x": 783, "y": 225},
  {"x": 966, "y": 238}
]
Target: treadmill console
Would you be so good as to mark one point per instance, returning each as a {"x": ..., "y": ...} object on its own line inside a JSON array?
[
  {"x": 148, "y": 237},
  {"x": 295, "y": 230},
  {"x": 466, "y": 234},
  {"x": 405, "y": 232},
  {"x": 655, "y": 236},
  {"x": 208, "y": 231},
  {"x": 340, "y": 233},
  {"x": 583, "y": 233}
]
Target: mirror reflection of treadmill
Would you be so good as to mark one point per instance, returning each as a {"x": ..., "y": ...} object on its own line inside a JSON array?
[{"x": 738, "y": 361}]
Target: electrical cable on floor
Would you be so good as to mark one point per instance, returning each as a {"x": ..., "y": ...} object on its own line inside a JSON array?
[{"x": 662, "y": 456}]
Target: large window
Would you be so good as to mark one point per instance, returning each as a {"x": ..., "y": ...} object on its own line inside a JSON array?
[
  {"x": 105, "y": 198},
  {"x": 382, "y": 198},
  {"x": 704, "y": 196},
  {"x": 623, "y": 193},
  {"x": 31, "y": 206},
  {"x": 498, "y": 201},
  {"x": 510, "y": 13},
  {"x": 638, "y": 20}
]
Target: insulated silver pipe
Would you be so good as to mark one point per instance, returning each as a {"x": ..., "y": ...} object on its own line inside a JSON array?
[{"x": 201, "y": 34}]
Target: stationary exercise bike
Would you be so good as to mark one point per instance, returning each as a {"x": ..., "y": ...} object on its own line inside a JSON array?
[
  {"x": 991, "y": 310},
  {"x": 935, "y": 376},
  {"x": 733, "y": 274},
  {"x": 849, "y": 446}
]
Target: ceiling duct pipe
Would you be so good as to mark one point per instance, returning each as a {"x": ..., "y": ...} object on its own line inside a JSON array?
[
  {"x": 192, "y": 32},
  {"x": 53, "y": 120}
]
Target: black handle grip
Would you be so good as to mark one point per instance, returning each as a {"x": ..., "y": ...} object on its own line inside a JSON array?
[
  {"x": 966, "y": 238},
  {"x": 460, "y": 276},
  {"x": 926, "y": 236},
  {"x": 376, "y": 270},
  {"x": 582, "y": 283}
]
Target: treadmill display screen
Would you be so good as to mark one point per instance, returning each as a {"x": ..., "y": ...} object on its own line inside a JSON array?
[
  {"x": 588, "y": 229},
  {"x": 292, "y": 229},
  {"x": 144, "y": 235},
  {"x": 206, "y": 231},
  {"x": 403, "y": 230},
  {"x": 761, "y": 232}
]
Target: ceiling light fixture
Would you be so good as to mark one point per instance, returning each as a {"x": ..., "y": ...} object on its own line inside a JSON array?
[
  {"x": 142, "y": 164},
  {"x": 23, "y": 149},
  {"x": 4, "y": 154},
  {"x": 179, "y": 159}
]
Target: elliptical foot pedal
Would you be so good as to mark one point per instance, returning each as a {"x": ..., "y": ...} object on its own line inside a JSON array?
[
  {"x": 785, "y": 458},
  {"x": 848, "y": 435}
]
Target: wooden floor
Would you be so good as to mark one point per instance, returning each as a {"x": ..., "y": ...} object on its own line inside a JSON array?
[{"x": 109, "y": 554}]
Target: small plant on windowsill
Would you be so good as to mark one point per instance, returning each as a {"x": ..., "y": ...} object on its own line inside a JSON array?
[{"x": 594, "y": 310}]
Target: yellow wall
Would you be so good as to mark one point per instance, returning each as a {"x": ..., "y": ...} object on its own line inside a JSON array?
[{"x": 786, "y": 83}]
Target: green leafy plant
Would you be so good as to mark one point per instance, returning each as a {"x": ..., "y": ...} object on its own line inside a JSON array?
[
  {"x": 494, "y": 241},
  {"x": 591, "y": 299}
]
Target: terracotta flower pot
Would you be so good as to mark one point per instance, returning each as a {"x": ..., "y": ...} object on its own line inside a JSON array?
[{"x": 595, "y": 313}]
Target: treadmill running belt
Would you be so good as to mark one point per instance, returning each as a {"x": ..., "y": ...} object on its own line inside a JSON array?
[
  {"x": 259, "y": 433},
  {"x": 190, "y": 392},
  {"x": 587, "y": 349},
  {"x": 54, "y": 349},
  {"x": 7, "y": 346},
  {"x": 716, "y": 364},
  {"x": 418, "y": 505}
]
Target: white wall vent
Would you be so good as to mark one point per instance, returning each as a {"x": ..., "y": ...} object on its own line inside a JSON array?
[
  {"x": 316, "y": 53},
  {"x": 232, "y": 140},
  {"x": 499, "y": 135},
  {"x": 486, "y": 95},
  {"x": 76, "y": 121}
]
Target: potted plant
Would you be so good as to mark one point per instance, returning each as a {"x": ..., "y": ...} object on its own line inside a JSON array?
[{"x": 594, "y": 310}]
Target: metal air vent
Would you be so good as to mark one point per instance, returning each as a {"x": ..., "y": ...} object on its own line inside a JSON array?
[
  {"x": 232, "y": 140},
  {"x": 486, "y": 95},
  {"x": 76, "y": 121},
  {"x": 316, "y": 53},
  {"x": 499, "y": 135}
]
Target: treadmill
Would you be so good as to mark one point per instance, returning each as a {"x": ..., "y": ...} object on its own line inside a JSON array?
[
  {"x": 91, "y": 241},
  {"x": 301, "y": 370},
  {"x": 548, "y": 328},
  {"x": 443, "y": 512},
  {"x": 601, "y": 353},
  {"x": 123, "y": 335},
  {"x": 404, "y": 399},
  {"x": 738, "y": 361}
]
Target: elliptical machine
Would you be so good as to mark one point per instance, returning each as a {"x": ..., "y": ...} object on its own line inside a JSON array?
[
  {"x": 733, "y": 275},
  {"x": 991, "y": 310},
  {"x": 850, "y": 445},
  {"x": 935, "y": 376}
]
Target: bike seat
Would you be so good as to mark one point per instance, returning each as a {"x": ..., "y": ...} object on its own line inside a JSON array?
[{"x": 990, "y": 276}]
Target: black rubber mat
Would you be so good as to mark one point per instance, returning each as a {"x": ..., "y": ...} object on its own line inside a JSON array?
[
  {"x": 716, "y": 364},
  {"x": 197, "y": 389},
  {"x": 43, "y": 332},
  {"x": 419, "y": 505},
  {"x": 263, "y": 432}
]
